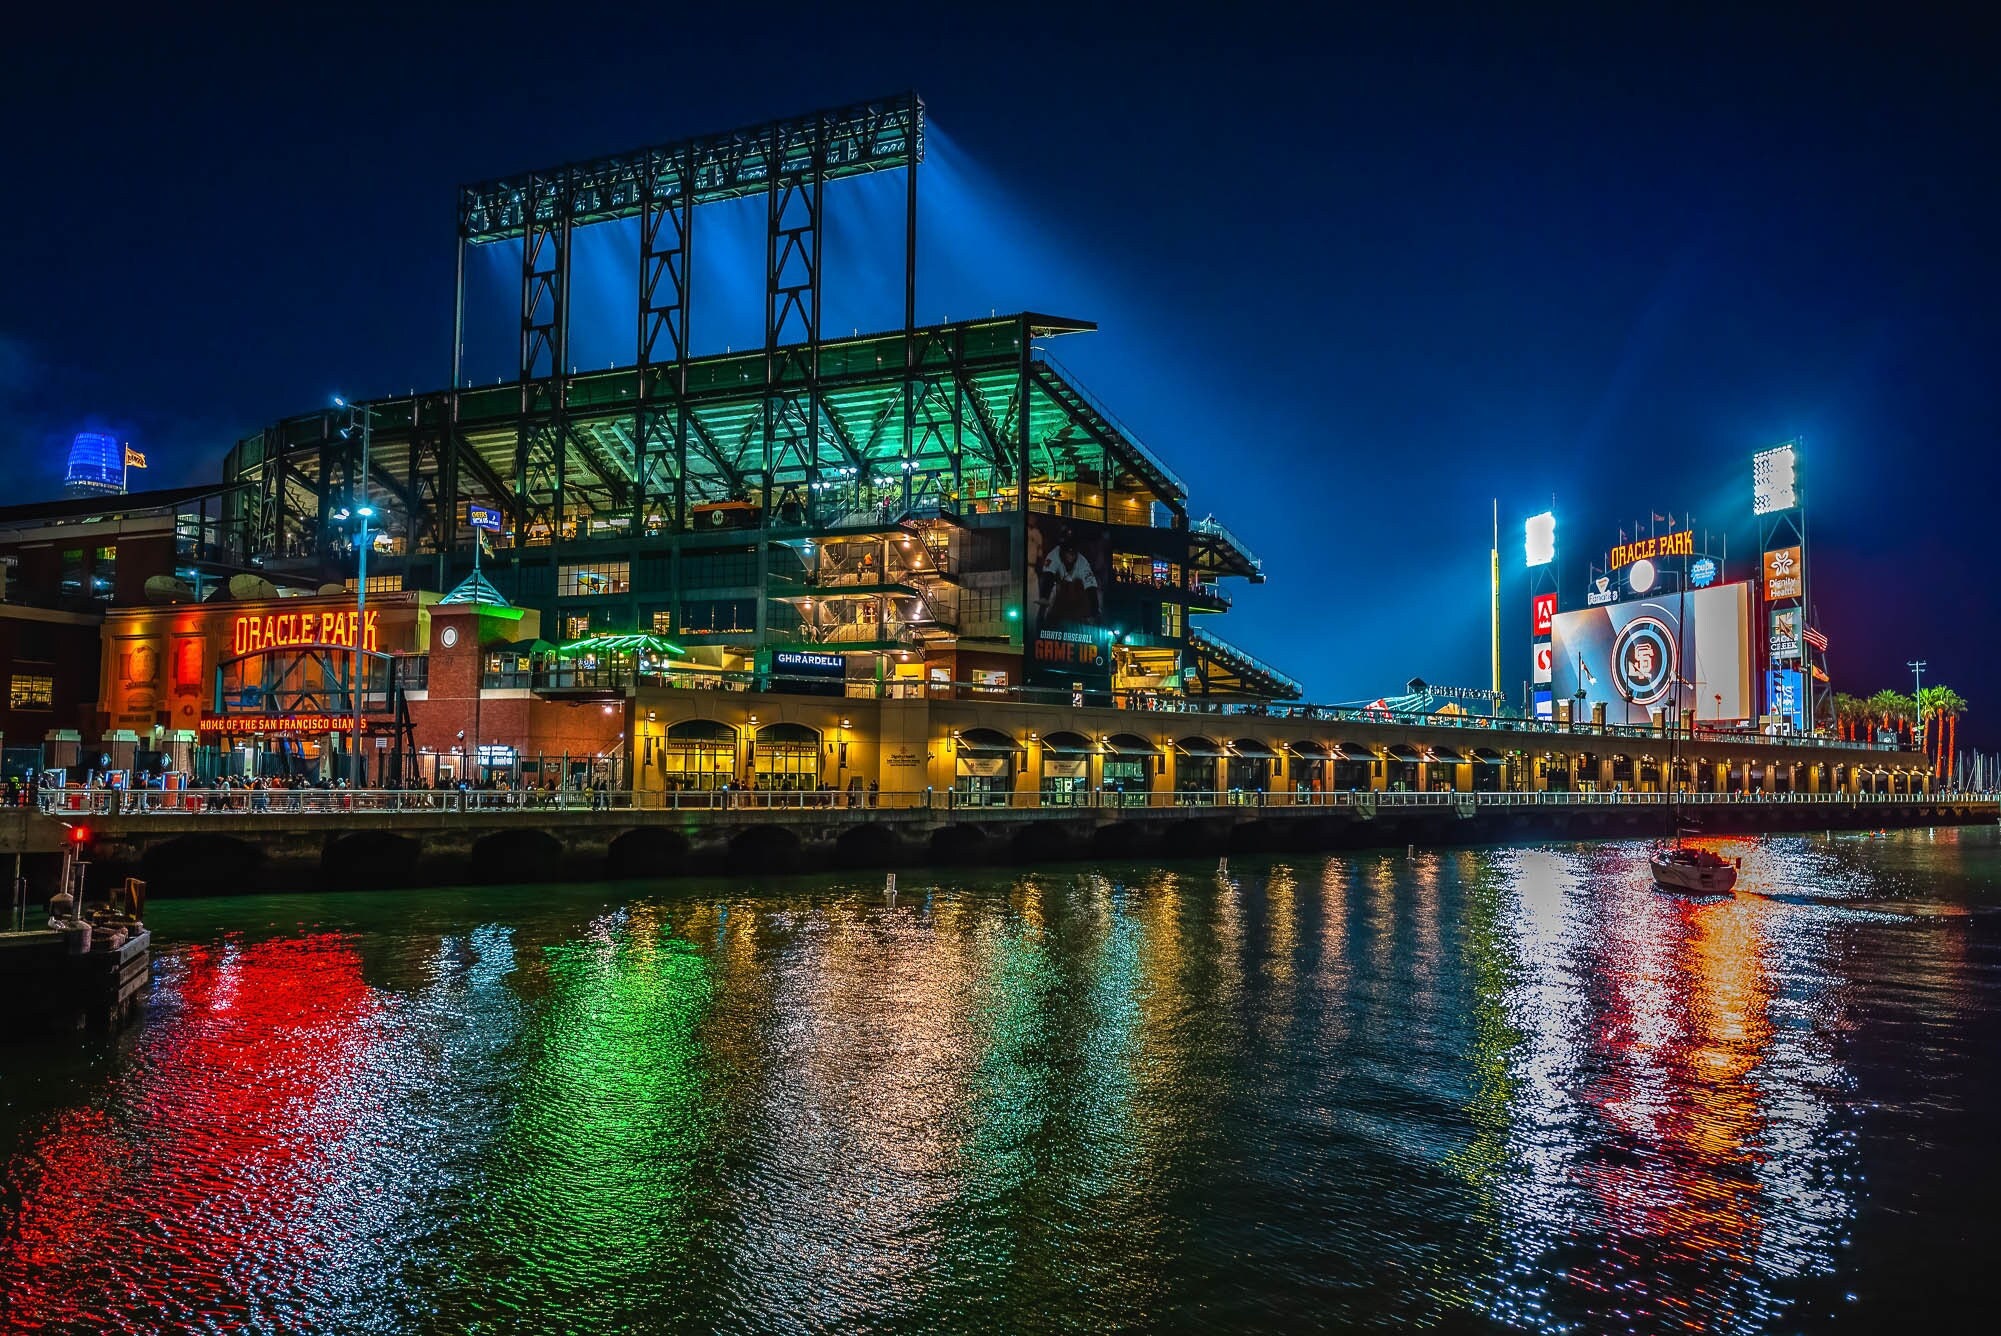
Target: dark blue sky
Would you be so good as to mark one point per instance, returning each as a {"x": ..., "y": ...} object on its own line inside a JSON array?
[{"x": 1354, "y": 279}]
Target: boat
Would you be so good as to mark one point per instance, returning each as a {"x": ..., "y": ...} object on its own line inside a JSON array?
[
  {"x": 1677, "y": 866},
  {"x": 1683, "y": 867}
]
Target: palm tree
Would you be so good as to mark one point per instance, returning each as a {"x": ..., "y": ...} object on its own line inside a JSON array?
[
  {"x": 1948, "y": 705},
  {"x": 1927, "y": 718},
  {"x": 1847, "y": 711},
  {"x": 1884, "y": 708}
]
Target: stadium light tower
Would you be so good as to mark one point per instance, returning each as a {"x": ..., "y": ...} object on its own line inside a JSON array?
[{"x": 366, "y": 416}]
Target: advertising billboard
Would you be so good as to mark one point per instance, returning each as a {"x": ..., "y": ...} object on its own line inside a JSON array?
[
  {"x": 1543, "y": 658},
  {"x": 1782, "y": 574},
  {"x": 1069, "y": 569},
  {"x": 1638, "y": 657},
  {"x": 1785, "y": 634},
  {"x": 1785, "y": 696},
  {"x": 1545, "y": 609}
]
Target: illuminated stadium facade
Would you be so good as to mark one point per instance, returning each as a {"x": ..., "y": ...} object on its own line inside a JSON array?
[{"x": 932, "y": 504}]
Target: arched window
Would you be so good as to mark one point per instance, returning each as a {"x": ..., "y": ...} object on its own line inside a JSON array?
[{"x": 787, "y": 757}]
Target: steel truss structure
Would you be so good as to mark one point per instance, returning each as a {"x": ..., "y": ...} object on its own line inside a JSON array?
[{"x": 967, "y": 425}]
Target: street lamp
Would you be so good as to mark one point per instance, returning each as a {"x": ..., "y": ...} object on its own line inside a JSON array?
[{"x": 366, "y": 416}]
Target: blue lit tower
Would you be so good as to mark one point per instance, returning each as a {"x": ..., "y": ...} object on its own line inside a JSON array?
[{"x": 96, "y": 466}]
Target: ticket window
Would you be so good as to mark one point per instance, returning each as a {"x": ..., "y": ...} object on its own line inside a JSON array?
[
  {"x": 983, "y": 780},
  {"x": 1066, "y": 780}
]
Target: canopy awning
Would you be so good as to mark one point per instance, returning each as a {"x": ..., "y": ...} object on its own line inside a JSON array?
[
  {"x": 1129, "y": 744},
  {"x": 1354, "y": 752},
  {"x": 1198, "y": 747},
  {"x": 987, "y": 741},
  {"x": 1401, "y": 751},
  {"x": 701, "y": 730},
  {"x": 1307, "y": 749},
  {"x": 1449, "y": 755},
  {"x": 1067, "y": 744},
  {"x": 787, "y": 733},
  {"x": 1487, "y": 754},
  {"x": 656, "y": 646},
  {"x": 1252, "y": 748}
]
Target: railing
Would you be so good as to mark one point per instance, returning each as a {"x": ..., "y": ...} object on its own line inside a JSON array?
[
  {"x": 1215, "y": 528},
  {"x": 531, "y": 803}
]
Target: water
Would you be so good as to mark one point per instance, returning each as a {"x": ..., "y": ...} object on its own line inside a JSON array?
[{"x": 1478, "y": 1090}]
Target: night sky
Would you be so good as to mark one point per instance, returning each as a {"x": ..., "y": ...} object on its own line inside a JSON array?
[{"x": 1353, "y": 281}]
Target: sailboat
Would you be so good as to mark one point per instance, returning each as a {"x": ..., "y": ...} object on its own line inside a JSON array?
[{"x": 1678, "y": 866}]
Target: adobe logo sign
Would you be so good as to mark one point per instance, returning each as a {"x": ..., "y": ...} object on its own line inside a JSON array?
[{"x": 1545, "y": 613}]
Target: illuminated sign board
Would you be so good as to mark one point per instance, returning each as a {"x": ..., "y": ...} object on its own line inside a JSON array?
[
  {"x": 1545, "y": 609},
  {"x": 1785, "y": 696},
  {"x": 811, "y": 674},
  {"x": 253, "y": 633},
  {"x": 1601, "y": 591},
  {"x": 1646, "y": 549},
  {"x": 239, "y": 725},
  {"x": 1544, "y": 654},
  {"x": 1785, "y": 641},
  {"x": 484, "y": 517},
  {"x": 1539, "y": 538},
  {"x": 1782, "y": 574},
  {"x": 1703, "y": 573},
  {"x": 1774, "y": 480}
]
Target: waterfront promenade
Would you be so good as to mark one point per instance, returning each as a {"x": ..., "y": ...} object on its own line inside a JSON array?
[{"x": 209, "y": 841}]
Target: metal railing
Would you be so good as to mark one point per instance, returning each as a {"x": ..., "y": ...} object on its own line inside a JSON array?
[{"x": 237, "y": 802}]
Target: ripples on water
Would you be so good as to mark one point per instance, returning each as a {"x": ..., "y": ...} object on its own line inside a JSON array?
[{"x": 1488, "y": 1089}]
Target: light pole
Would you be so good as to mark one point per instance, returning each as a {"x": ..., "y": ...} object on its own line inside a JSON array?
[
  {"x": 1917, "y": 667},
  {"x": 365, "y": 512}
]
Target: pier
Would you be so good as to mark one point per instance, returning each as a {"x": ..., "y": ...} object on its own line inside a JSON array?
[{"x": 262, "y": 840}]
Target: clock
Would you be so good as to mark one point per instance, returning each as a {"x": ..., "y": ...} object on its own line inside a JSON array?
[{"x": 450, "y": 636}]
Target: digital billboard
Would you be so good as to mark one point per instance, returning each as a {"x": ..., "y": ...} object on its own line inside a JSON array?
[
  {"x": 1638, "y": 657},
  {"x": 1544, "y": 658}
]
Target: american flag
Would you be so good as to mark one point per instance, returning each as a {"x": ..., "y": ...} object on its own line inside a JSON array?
[{"x": 1816, "y": 639}]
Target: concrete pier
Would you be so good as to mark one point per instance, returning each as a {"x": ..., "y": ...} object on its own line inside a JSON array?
[{"x": 211, "y": 852}]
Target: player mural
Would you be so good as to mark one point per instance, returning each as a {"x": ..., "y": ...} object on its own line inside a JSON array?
[{"x": 1069, "y": 566}]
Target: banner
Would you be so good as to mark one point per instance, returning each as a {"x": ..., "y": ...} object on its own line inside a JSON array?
[
  {"x": 1069, "y": 572},
  {"x": 1638, "y": 658}
]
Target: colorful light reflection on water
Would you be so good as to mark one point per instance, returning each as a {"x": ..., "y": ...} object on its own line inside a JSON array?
[{"x": 1509, "y": 1089}]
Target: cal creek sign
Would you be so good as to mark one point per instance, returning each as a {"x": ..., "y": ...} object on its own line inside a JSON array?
[
  {"x": 252, "y": 633},
  {"x": 1648, "y": 549}
]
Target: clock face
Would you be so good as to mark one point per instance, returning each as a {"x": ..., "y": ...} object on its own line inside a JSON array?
[{"x": 450, "y": 635}]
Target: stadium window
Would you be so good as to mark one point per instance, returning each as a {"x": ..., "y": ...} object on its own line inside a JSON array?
[
  {"x": 594, "y": 579},
  {"x": 1170, "y": 620},
  {"x": 576, "y": 626},
  {"x": 663, "y": 621},
  {"x": 32, "y": 691}
]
